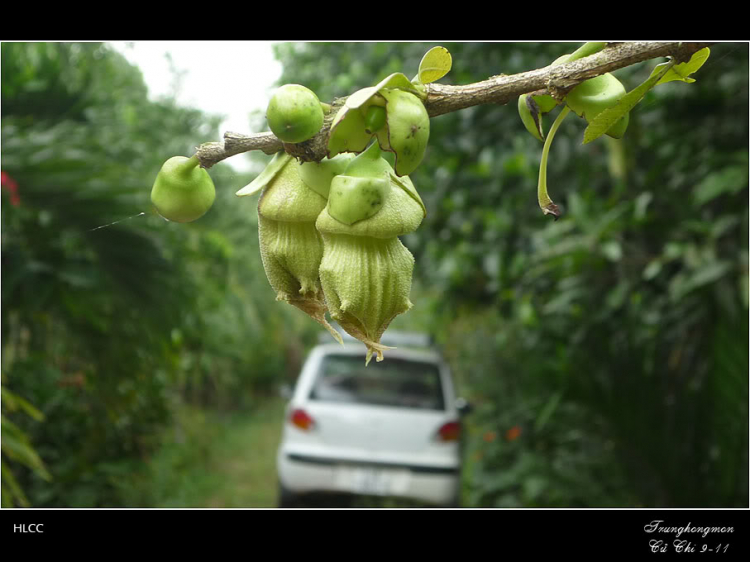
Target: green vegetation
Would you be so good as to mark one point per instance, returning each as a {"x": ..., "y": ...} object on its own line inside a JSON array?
[
  {"x": 610, "y": 345},
  {"x": 106, "y": 331},
  {"x": 212, "y": 460},
  {"x": 606, "y": 353}
]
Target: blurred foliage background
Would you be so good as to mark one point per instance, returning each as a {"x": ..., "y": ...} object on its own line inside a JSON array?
[{"x": 606, "y": 353}]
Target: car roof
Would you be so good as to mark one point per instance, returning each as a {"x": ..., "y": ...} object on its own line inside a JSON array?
[
  {"x": 414, "y": 354},
  {"x": 391, "y": 338}
]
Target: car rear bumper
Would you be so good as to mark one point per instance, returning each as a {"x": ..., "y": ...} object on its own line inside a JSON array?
[{"x": 301, "y": 474}]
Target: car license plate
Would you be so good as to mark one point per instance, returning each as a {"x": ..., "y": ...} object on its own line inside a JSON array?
[{"x": 365, "y": 480}]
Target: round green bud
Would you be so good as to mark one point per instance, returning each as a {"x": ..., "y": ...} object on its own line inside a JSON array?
[
  {"x": 294, "y": 113},
  {"x": 593, "y": 96},
  {"x": 182, "y": 191}
]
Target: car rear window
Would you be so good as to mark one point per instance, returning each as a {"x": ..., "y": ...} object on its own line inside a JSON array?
[{"x": 394, "y": 382}]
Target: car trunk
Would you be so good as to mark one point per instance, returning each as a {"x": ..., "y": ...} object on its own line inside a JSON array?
[{"x": 380, "y": 432}]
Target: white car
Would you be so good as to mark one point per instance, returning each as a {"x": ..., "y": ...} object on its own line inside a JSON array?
[{"x": 390, "y": 429}]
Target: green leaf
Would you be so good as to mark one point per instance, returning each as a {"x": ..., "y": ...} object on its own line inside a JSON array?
[
  {"x": 360, "y": 97},
  {"x": 684, "y": 70},
  {"x": 14, "y": 402},
  {"x": 684, "y": 283},
  {"x": 396, "y": 80},
  {"x": 435, "y": 64},
  {"x": 16, "y": 447},
  {"x": 728, "y": 180},
  {"x": 607, "y": 118},
  {"x": 11, "y": 489},
  {"x": 268, "y": 173},
  {"x": 547, "y": 411}
]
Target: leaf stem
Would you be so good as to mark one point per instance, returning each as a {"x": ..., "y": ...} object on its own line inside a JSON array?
[{"x": 546, "y": 204}]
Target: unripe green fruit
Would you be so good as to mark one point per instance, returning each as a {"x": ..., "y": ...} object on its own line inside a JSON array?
[
  {"x": 294, "y": 113},
  {"x": 407, "y": 130},
  {"x": 374, "y": 118},
  {"x": 290, "y": 246},
  {"x": 593, "y": 96},
  {"x": 318, "y": 175},
  {"x": 361, "y": 190},
  {"x": 366, "y": 271},
  {"x": 182, "y": 191}
]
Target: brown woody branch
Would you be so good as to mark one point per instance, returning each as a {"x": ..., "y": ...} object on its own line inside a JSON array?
[{"x": 441, "y": 98}]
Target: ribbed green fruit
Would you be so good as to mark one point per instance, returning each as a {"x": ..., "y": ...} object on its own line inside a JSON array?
[
  {"x": 366, "y": 271},
  {"x": 291, "y": 248}
]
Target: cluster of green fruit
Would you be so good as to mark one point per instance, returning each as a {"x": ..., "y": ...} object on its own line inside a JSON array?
[
  {"x": 602, "y": 101},
  {"x": 329, "y": 230},
  {"x": 587, "y": 100}
]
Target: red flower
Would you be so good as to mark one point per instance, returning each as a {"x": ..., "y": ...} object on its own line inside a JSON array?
[
  {"x": 489, "y": 436},
  {"x": 513, "y": 433},
  {"x": 7, "y": 182}
]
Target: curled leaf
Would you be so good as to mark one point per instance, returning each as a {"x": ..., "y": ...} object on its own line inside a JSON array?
[{"x": 531, "y": 116}]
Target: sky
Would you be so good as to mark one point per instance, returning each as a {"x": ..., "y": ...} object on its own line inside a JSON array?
[{"x": 227, "y": 78}]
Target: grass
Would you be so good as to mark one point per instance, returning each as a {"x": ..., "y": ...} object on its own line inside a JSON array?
[
  {"x": 209, "y": 460},
  {"x": 213, "y": 460}
]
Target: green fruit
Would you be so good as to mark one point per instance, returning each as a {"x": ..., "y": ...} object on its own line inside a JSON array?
[
  {"x": 407, "y": 129},
  {"x": 290, "y": 246},
  {"x": 318, "y": 175},
  {"x": 362, "y": 189},
  {"x": 366, "y": 271},
  {"x": 593, "y": 96},
  {"x": 294, "y": 113},
  {"x": 374, "y": 118},
  {"x": 182, "y": 191}
]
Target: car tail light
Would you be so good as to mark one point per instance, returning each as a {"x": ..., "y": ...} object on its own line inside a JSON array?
[
  {"x": 450, "y": 431},
  {"x": 301, "y": 419}
]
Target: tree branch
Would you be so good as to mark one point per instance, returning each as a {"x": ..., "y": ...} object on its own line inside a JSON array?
[{"x": 442, "y": 98}]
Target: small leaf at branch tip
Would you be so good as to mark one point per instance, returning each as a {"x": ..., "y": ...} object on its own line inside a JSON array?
[
  {"x": 683, "y": 70},
  {"x": 605, "y": 120},
  {"x": 435, "y": 64}
]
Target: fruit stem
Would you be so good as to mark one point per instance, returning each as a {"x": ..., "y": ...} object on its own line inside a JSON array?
[
  {"x": 585, "y": 50},
  {"x": 186, "y": 168},
  {"x": 546, "y": 204}
]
